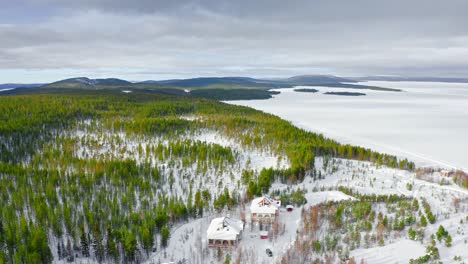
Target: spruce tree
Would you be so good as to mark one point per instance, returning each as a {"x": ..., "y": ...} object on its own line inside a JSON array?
[
  {"x": 423, "y": 220},
  {"x": 84, "y": 244},
  {"x": 59, "y": 250},
  {"x": 69, "y": 253},
  {"x": 448, "y": 241},
  {"x": 2, "y": 234},
  {"x": 164, "y": 236}
]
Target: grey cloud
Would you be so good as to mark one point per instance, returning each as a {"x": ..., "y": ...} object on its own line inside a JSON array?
[{"x": 256, "y": 38}]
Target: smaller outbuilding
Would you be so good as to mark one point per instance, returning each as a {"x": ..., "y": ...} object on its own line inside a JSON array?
[{"x": 224, "y": 232}]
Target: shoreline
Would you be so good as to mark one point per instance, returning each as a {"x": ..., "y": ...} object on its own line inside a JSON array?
[
  {"x": 419, "y": 159},
  {"x": 398, "y": 148}
]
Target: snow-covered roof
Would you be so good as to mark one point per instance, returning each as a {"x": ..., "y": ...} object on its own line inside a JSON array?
[
  {"x": 224, "y": 228},
  {"x": 264, "y": 205}
]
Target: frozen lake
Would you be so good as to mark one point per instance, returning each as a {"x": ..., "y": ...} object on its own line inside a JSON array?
[{"x": 427, "y": 123}]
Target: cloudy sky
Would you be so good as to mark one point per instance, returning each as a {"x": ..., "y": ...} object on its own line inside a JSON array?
[{"x": 46, "y": 40}]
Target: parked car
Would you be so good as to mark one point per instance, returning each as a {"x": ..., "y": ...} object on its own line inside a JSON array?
[{"x": 269, "y": 253}]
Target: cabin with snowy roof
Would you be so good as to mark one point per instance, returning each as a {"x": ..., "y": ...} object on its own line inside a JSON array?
[
  {"x": 264, "y": 209},
  {"x": 224, "y": 232}
]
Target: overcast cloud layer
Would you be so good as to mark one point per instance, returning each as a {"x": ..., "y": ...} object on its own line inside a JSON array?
[{"x": 46, "y": 40}]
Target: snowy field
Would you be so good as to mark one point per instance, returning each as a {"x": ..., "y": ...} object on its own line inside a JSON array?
[{"x": 426, "y": 123}]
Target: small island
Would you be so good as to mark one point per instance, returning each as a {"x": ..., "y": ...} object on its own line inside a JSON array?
[
  {"x": 306, "y": 90},
  {"x": 345, "y": 93}
]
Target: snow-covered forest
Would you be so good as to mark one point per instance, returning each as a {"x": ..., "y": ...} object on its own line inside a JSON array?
[{"x": 137, "y": 177}]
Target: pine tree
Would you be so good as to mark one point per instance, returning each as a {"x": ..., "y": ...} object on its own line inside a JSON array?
[
  {"x": 40, "y": 245},
  {"x": 64, "y": 252},
  {"x": 448, "y": 241},
  {"x": 423, "y": 220},
  {"x": 84, "y": 244},
  {"x": 130, "y": 246},
  {"x": 2, "y": 234},
  {"x": 146, "y": 238},
  {"x": 59, "y": 250},
  {"x": 441, "y": 233},
  {"x": 69, "y": 253},
  {"x": 112, "y": 249},
  {"x": 164, "y": 236}
]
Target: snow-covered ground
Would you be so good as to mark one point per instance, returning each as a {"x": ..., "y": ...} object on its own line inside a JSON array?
[
  {"x": 366, "y": 178},
  {"x": 321, "y": 197},
  {"x": 189, "y": 241},
  {"x": 403, "y": 250},
  {"x": 399, "y": 252},
  {"x": 256, "y": 158},
  {"x": 424, "y": 123},
  {"x": 201, "y": 174},
  {"x": 457, "y": 226}
]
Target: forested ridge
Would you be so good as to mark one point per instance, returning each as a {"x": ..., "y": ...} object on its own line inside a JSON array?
[{"x": 106, "y": 175}]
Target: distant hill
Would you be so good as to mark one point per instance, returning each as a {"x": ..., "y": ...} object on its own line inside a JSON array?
[
  {"x": 210, "y": 81},
  {"x": 17, "y": 85},
  {"x": 317, "y": 79},
  {"x": 111, "y": 81},
  {"x": 84, "y": 82},
  {"x": 411, "y": 79},
  {"x": 219, "y": 88},
  {"x": 252, "y": 82}
]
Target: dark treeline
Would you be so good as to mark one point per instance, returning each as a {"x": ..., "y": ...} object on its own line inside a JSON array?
[{"x": 56, "y": 203}]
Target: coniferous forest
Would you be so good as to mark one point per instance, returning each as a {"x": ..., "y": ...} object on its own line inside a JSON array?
[{"x": 106, "y": 175}]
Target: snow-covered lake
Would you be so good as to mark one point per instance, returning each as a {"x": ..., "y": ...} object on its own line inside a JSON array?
[{"x": 427, "y": 123}]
